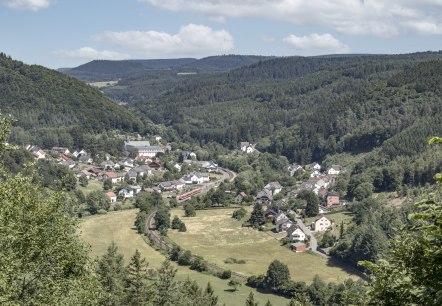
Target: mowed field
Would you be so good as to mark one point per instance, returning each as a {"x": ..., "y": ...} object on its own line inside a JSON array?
[
  {"x": 100, "y": 231},
  {"x": 216, "y": 236}
]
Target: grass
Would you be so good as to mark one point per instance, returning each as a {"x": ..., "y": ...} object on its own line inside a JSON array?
[
  {"x": 93, "y": 185},
  {"x": 100, "y": 231},
  {"x": 216, "y": 236}
]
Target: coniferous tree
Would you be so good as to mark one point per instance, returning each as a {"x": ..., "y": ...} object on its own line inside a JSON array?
[
  {"x": 251, "y": 300},
  {"x": 257, "y": 217},
  {"x": 111, "y": 274},
  {"x": 137, "y": 290},
  {"x": 213, "y": 299},
  {"x": 165, "y": 285}
]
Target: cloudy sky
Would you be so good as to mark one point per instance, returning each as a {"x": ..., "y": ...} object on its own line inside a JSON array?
[{"x": 66, "y": 33}]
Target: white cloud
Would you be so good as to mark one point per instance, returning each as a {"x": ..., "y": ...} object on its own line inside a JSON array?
[
  {"x": 33, "y": 5},
  {"x": 191, "y": 40},
  {"x": 356, "y": 17},
  {"x": 424, "y": 27},
  {"x": 317, "y": 43},
  {"x": 90, "y": 54}
]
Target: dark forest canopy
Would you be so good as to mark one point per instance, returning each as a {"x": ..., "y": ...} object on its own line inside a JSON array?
[{"x": 48, "y": 104}]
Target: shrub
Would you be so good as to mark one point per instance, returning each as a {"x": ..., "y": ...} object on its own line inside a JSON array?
[
  {"x": 198, "y": 264},
  {"x": 226, "y": 274},
  {"x": 182, "y": 227},
  {"x": 185, "y": 258}
]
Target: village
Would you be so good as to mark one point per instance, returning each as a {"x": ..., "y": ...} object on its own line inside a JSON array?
[{"x": 122, "y": 178}]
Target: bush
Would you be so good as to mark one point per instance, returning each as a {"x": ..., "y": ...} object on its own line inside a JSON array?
[
  {"x": 198, "y": 264},
  {"x": 185, "y": 258},
  {"x": 226, "y": 274},
  {"x": 102, "y": 212},
  {"x": 256, "y": 281},
  {"x": 182, "y": 228},
  {"x": 189, "y": 210},
  {"x": 232, "y": 260},
  {"x": 175, "y": 253},
  {"x": 239, "y": 214},
  {"x": 176, "y": 222}
]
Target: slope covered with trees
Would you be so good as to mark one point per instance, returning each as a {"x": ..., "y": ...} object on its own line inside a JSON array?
[{"x": 54, "y": 109}]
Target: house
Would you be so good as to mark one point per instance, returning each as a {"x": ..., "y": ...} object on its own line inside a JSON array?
[
  {"x": 270, "y": 214},
  {"x": 321, "y": 224},
  {"x": 154, "y": 165},
  {"x": 131, "y": 175},
  {"x": 107, "y": 165},
  {"x": 295, "y": 233},
  {"x": 36, "y": 152},
  {"x": 293, "y": 168},
  {"x": 280, "y": 204},
  {"x": 247, "y": 147},
  {"x": 178, "y": 167},
  {"x": 112, "y": 196},
  {"x": 129, "y": 191},
  {"x": 143, "y": 148},
  {"x": 94, "y": 171},
  {"x": 283, "y": 225},
  {"x": 334, "y": 170},
  {"x": 86, "y": 159},
  {"x": 210, "y": 166},
  {"x": 85, "y": 173},
  {"x": 157, "y": 138},
  {"x": 68, "y": 163},
  {"x": 280, "y": 216},
  {"x": 128, "y": 162},
  {"x": 61, "y": 150},
  {"x": 75, "y": 154},
  {"x": 240, "y": 196},
  {"x": 143, "y": 170},
  {"x": 318, "y": 182},
  {"x": 264, "y": 196},
  {"x": 274, "y": 187},
  {"x": 315, "y": 173},
  {"x": 188, "y": 154},
  {"x": 332, "y": 199},
  {"x": 196, "y": 178},
  {"x": 171, "y": 185},
  {"x": 298, "y": 247},
  {"x": 313, "y": 166},
  {"x": 113, "y": 177},
  {"x": 82, "y": 152}
]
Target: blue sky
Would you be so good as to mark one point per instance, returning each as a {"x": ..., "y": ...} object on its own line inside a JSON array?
[{"x": 66, "y": 33}]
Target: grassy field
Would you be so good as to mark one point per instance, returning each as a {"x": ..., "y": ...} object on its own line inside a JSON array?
[
  {"x": 214, "y": 235},
  {"x": 91, "y": 186},
  {"x": 100, "y": 231}
]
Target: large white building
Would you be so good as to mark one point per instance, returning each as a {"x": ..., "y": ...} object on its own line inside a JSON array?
[{"x": 143, "y": 148}]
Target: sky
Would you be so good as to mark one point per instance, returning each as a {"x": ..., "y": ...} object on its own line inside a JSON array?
[{"x": 67, "y": 33}]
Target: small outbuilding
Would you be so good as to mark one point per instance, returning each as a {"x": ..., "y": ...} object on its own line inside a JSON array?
[{"x": 298, "y": 247}]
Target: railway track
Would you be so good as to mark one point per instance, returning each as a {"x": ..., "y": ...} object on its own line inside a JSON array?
[{"x": 159, "y": 242}]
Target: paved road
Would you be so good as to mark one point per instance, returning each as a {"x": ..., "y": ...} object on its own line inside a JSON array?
[{"x": 313, "y": 241}]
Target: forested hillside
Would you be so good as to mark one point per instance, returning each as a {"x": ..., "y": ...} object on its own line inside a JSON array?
[
  {"x": 106, "y": 70},
  {"x": 53, "y": 109},
  {"x": 309, "y": 108}
]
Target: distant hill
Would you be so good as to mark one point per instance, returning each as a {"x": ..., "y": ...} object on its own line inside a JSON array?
[
  {"x": 222, "y": 63},
  {"x": 105, "y": 70},
  {"x": 47, "y": 104}
]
